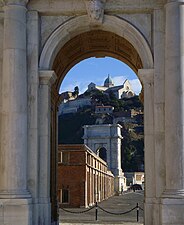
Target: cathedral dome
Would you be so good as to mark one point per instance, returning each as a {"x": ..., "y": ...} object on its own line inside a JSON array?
[{"x": 108, "y": 82}]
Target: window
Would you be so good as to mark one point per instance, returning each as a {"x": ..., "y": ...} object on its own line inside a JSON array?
[
  {"x": 59, "y": 157},
  {"x": 102, "y": 152},
  {"x": 65, "y": 157},
  {"x": 65, "y": 196}
]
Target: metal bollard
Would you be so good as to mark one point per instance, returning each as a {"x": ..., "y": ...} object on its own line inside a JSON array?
[
  {"x": 96, "y": 211},
  {"x": 137, "y": 212}
]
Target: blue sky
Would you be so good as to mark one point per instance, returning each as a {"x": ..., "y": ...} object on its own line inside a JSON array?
[{"x": 96, "y": 70}]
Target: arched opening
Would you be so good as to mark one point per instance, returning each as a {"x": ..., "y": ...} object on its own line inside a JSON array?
[
  {"x": 99, "y": 43},
  {"x": 102, "y": 153},
  {"x": 93, "y": 43}
]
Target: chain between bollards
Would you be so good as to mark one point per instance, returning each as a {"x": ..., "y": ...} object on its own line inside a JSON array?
[{"x": 96, "y": 206}]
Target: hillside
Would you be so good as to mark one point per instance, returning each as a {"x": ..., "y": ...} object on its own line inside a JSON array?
[{"x": 70, "y": 129}]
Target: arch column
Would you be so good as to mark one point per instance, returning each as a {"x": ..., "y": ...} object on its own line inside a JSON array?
[
  {"x": 14, "y": 196},
  {"x": 147, "y": 77},
  {"x": 46, "y": 79},
  {"x": 173, "y": 196}
]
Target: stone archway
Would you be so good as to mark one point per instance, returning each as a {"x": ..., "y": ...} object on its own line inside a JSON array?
[
  {"x": 25, "y": 102},
  {"x": 81, "y": 25},
  {"x": 96, "y": 43},
  {"x": 107, "y": 139},
  {"x": 77, "y": 40}
]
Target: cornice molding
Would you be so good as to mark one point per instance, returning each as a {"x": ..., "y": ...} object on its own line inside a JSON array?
[
  {"x": 15, "y": 2},
  {"x": 47, "y": 77},
  {"x": 175, "y": 1}
]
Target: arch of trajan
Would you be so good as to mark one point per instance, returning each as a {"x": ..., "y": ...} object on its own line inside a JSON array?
[{"x": 40, "y": 41}]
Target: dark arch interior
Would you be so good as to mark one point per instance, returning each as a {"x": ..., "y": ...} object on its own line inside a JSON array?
[{"x": 102, "y": 153}]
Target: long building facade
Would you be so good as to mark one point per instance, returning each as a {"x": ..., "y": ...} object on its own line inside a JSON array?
[{"x": 83, "y": 178}]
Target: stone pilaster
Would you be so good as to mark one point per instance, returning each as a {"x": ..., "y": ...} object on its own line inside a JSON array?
[
  {"x": 33, "y": 84},
  {"x": 46, "y": 79},
  {"x": 146, "y": 76},
  {"x": 14, "y": 103},
  {"x": 14, "y": 195},
  {"x": 174, "y": 98},
  {"x": 173, "y": 196},
  {"x": 159, "y": 104}
]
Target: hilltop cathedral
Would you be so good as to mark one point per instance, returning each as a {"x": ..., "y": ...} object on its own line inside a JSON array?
[
  {"x": 71, "y": 103},
  {"x": 121, "y": 91}
]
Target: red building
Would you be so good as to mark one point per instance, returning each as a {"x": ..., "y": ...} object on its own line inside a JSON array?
[{"x": 83, "y": 177}]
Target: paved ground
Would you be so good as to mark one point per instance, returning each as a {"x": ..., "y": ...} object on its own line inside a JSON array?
[
  {"x": 115, "y": 204},
  {"x": 105, "y": 223}
]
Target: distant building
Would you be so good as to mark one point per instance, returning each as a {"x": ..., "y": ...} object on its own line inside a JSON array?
[
  {"x": 83, "y": 178},
  {"x": 122, "y": 116},
  {"x": 134, "y": 178},
  {"x": 138, "y": 117},
  {"x": 123, "y": 91},
  {"x": 92, "y": 86},
  {"x": 68, "y": 95},
  {"x": 73, "y": 106},
  {"x": 71, "y": 103},
  {"x": 104, "y": 109},
  {"x": 105, "y": 141}
]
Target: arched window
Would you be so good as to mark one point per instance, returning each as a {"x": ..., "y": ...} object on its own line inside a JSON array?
[{"x": 102, "y": 153}]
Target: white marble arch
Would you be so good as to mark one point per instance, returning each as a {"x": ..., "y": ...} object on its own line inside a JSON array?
[
  {"x": 25, "y": 102},
  {"x": 81, "y": 24},
  {"x": 124, "y": 29}
]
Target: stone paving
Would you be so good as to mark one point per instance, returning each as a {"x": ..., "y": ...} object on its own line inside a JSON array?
[
  {"x": 115, "y": 204},
  {"x": 111, "y": 223}
]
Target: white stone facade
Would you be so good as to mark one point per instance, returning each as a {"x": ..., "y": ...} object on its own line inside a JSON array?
[
  {"x": 32, "y": 33},
  {"x": 123, "y": 91},
  {"x": 72, "y": 106},
  {"x": 107, "y": 136},
  {"x": 104, "y": 109},
  {"x": 135, "y": 178}
]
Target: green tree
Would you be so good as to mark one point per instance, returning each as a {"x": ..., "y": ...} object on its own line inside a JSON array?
[{"x": 76, "y": 91}]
